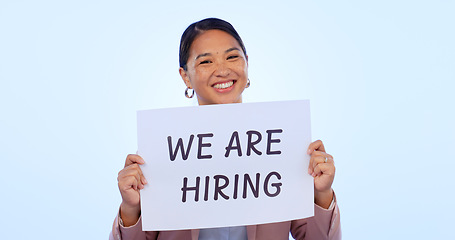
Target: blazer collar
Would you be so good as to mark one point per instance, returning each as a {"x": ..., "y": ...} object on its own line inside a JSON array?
[
  {"x": 194, "y": 234},
  {"x": 251, "y": 232}
]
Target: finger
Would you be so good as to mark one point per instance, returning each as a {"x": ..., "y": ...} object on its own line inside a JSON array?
[
  {"x": 128, "y": 182},
  {"x": 324, "y": 168},
  {"x": 321, "y": 157},
  {"x": 316, "y": 158},
  {"x": 132, "y": 159},
  {"x": 143, "y": 180},
  {"x": 132, "y": 181},
  {"x": 133, "y": 171},
  {"x": 310, "y": 166},
  {"x": 315, "y": 146}
]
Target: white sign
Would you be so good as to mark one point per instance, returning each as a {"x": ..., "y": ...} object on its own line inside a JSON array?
[{"x": 225, "y": 165}]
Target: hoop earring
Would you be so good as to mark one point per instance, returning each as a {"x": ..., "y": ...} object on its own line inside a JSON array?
[
  {"x": 186, "y": 93},
  {"x": 248, "y": 83}
]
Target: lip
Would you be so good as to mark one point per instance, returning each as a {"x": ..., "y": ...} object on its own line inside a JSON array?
[{"x": 224, "y": 90}]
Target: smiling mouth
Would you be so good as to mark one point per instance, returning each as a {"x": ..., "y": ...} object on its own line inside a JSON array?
[{"x": 224, "y": 85}]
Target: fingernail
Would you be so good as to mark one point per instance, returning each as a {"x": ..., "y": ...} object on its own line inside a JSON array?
[
  {"x": 309, "y": 171},
  {"x": 145, "y": 181},
  {"x": 308, "y": 151},
  {"x": 314, "y": 175}
]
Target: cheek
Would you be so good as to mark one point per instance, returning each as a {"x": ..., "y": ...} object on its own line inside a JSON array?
[
  {"x": 242, "y": 69},
  {"x": 199, "y": 76}
]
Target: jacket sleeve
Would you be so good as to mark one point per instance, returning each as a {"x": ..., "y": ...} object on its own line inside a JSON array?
[
  {"x": 119, "y": 232},
  {"x": 325, "y": 224}
]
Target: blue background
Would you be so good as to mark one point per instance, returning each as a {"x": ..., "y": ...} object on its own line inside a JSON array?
[{"x": 380, "y": 76}]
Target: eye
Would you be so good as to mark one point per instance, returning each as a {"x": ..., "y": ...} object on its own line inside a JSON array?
[
  {"x": 232, "y": 57},
  {"x": 205, "y": 62}
]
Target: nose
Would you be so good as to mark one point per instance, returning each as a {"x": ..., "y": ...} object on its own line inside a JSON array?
[{"x": 222, "y": 70}]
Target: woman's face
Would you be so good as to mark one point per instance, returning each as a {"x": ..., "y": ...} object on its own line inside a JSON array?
[{"x": 217, "y": 68}]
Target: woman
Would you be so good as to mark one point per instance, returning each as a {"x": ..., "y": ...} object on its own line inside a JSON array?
[{"x": 214, "y": 66}]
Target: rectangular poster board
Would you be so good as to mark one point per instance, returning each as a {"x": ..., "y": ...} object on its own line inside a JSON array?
[{"x": 225, "y": 165}]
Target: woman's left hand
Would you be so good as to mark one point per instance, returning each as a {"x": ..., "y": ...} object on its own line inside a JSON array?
[{"x": 322, "y": 168}]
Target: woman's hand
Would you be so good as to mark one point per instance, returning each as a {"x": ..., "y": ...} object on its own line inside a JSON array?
[
  {"x": 322, "y": 168},
  {"x": 130, "y": 181}
]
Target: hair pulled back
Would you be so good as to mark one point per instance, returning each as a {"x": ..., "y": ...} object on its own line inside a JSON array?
[{"x": 198, "y": 28}]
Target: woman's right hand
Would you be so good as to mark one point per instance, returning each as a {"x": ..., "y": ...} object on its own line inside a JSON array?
[{"x": 130, "y": 181}]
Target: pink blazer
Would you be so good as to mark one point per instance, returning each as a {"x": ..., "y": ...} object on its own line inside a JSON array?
[{"x": 324, "y": 225}]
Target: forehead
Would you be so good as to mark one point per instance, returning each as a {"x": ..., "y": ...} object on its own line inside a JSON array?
[{"x": 213, "y": 41}]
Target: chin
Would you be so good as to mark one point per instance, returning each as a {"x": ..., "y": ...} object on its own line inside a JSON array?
[
  {"x": 237, "y": 99},
  {"x": 221, "y": 101}
]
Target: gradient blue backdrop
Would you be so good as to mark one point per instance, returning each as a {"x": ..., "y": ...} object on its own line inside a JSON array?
[{"x": 379, "y": 74}]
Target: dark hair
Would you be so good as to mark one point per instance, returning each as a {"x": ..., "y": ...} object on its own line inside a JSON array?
[{"x": 197, "y": 28}]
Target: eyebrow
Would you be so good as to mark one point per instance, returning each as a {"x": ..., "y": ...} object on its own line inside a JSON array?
[
  {"x": 209, "y": 54},
  {"x": 232, "y": 49}
]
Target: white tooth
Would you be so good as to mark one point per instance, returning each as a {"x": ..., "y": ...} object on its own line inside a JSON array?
[{"x": 224, "y": 85}]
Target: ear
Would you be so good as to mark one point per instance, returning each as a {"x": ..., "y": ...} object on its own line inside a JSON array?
[{"x": 185, "y": 77}]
